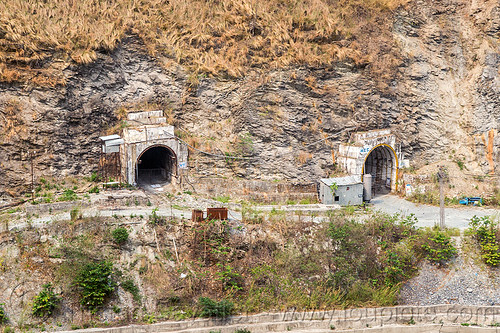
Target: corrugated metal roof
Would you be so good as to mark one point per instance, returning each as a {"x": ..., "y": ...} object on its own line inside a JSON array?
[
  {"x": 348, "y": 180},
  {"x": 109, "y": 137},
  {"x": 115, "y": 142}
]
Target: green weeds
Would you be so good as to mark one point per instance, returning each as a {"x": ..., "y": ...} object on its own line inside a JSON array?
[
  {"x": 130, "y": 286},
  {"x": 438, "y": 247},
  {"x": 3, "y": 315},
  {"x": 217, "y": 309},
  {"x": 45, "y": 302},
  {"x": 486, "y": 232}
]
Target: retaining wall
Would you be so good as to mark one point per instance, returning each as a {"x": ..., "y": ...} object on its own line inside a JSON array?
[{"x": 439, "y": 318}]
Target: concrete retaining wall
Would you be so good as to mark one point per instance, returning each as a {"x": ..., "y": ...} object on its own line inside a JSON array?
[
  {"x": 440, "y": 318},
  {"x": 256, "y": 190},
  {"x": 56, "y": 206}
]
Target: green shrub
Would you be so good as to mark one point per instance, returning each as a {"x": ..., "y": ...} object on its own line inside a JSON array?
[
  {"x": 397, "y": 267},
  {"x": 68, "y": 195},
  {"x": 75, "y": 214},
  {"x": 490, "y": 250},
  {"x": 223, "y": 198},
  {"x": 94, "y": 177},
  {"x": 120, "y": 235},
  {"x": 132, "y": 288},
  {"x": 230, "y": 278},
  {"x": 94, "y": 283},
  {"x": 438, "y": 247},
  {"x": 94, "y": 189},
  {"x": 211, "y": 308},
  {"x": 45, "y": 302},
  {"x": 154, "y": 218},
  {"x": 485, "y": 231},
  {"x": 3, "y": 315}
]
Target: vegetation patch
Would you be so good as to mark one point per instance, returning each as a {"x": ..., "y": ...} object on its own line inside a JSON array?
[
  {"x": 3, "y": 315},
  {"x": 486, "y": 233},
  {"x": 95, "y": 284},
  {"x": 217, "y": 309},
  {"x": 46, "y": 302},
  {"x": 130, "y": 286},
  {"x": 438, "y": 247},
  {"x": 120, "y": 235}
]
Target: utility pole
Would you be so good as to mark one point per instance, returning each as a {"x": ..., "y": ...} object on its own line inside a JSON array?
[
  {"x": 441, "y": 176},
  {"x": 30, "y": 155}
]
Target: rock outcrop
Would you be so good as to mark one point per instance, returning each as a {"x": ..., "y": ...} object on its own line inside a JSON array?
[{"x": 443, "y": 102}]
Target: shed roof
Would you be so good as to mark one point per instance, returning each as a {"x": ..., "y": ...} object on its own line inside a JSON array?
[
  {"x": 115, "y": 142},
  {"x": 340, "y": 181},
  {"x": 109, "y": 137}
]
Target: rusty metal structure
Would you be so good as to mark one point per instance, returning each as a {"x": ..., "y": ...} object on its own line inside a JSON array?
[
  {"x": 212, "y": 214},
  {"x": 110, "y": 161},
  {"x": 197, "y": 215},
  {"x": 217, "y": 213}
]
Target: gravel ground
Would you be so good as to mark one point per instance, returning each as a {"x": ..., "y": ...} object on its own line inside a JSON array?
[{"x": 462, "y": 282}]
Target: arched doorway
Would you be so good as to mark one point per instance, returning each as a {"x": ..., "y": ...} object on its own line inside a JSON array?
[
  {"x": 156, "y": 164},
  {"x": 381, "y": 164}
]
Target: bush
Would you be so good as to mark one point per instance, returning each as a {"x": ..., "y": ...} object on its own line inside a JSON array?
[
  {"x": 75, "y": 214},
  {"x": 95, "y": 284},
  {"x": 3, "y": 315},
  {"x": 485, "y": 231},
  {"x": 45, "y": 302},
  {"x": 68, "y": 195},
  {"x": 132, "y": 288},
  {"x": 211, "y": 308},
  {"x": 154, "y": 218},
  {"x": 490, "y": 249},
  {"x": 438, "y": 247},
  {"x": 120, "y": 235},
  {"x": 94, "y": 177},
  {"x": 94, "y": 189}
]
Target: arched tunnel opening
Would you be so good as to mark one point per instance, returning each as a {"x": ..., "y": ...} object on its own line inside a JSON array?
[
  {"x": 380, "y": 164},
  {"x": 156, "y": 165}
]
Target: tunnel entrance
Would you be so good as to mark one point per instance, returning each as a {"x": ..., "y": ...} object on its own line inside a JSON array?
[
  {"x": 380, "y": 164},
  {"x": 156, "y": 165}
]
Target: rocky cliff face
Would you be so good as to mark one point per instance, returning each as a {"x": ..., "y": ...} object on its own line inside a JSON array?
[{"x": 443, "y": 103}]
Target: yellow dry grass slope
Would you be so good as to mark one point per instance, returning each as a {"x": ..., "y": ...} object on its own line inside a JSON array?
[{"x": 38, "y": 38}]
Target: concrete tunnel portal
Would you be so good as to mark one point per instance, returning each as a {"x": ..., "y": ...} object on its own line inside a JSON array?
[
  {"x": 381, "y": 163},
  {"x": 156, "y": 164}
]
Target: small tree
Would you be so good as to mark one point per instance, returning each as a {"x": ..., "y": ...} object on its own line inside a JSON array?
[
  {"x": 120, "y": 235},
  {"x": 439, "y": 248},
  {"x": 95, "y": 284},
  {"x": 45, "y": 302}
]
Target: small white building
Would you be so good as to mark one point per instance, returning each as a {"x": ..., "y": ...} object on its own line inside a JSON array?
[{"x": 343, "y": 191}]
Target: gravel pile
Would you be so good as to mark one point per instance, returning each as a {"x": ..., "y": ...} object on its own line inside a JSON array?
[{"x": 461, "y": 282}]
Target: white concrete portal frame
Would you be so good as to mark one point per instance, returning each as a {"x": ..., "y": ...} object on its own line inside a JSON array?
[
  {"x": 152, "y": 153},
  {"x": 372, "y": 152}
]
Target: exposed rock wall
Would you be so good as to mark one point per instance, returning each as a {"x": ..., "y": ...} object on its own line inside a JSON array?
[{"x": 443, "y": 103}]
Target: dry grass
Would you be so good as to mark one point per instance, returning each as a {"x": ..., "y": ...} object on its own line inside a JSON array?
[
  {"x": 38, "y": 39},
  {"x": 303, "y": 157}
]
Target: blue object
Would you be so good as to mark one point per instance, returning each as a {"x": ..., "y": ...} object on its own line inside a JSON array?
[{"x": 472, "y": 200}]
